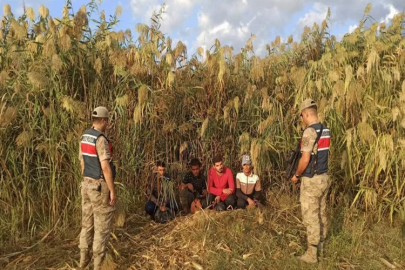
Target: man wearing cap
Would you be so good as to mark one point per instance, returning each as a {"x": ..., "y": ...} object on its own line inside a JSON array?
[
  {"x": 98, "y": 191},
  {"x": 313, "y": 171},
  {"x": 221, "y": 186},
  {"x": 248, "y": 187}
]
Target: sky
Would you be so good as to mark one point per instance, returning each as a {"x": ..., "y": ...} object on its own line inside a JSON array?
[{"x": 197, "y": 23}]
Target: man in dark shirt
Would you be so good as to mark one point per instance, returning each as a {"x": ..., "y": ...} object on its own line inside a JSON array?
[
  {"x": 158, "y": 192},
  {"x": 193, "y": 186}
]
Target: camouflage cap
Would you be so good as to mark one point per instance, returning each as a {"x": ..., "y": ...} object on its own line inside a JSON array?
[
  {"x": 246, "y": 160},
  {"x": 307, "y": 103},
  {"x": 100, "y": 112}
]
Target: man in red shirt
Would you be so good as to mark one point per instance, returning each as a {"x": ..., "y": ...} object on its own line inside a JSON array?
[{"x": 221, "y": 186}]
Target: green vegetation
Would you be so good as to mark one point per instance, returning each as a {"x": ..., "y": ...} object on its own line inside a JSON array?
[{"x": 54, "y": 71}]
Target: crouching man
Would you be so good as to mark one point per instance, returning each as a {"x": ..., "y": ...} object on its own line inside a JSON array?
[
  {"x": 221, "y": 186},
  {"x": 159, "y": 192},
  {"x": 193, "y": 187},
  {"x": 248, "y": 186}
]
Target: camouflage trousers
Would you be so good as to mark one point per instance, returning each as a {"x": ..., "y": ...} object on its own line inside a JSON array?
[
  {"x": 97, "y": 215},
  {"x": 313, "y": 207}
]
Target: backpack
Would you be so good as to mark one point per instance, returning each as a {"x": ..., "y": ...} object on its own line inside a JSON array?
[{"x": 164, "y": 216}]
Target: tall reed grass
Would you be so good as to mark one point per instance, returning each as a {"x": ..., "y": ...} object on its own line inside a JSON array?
[{"x": 169, "y": 106}]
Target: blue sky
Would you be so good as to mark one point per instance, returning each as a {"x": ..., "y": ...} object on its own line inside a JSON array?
[{"x": 197, "y": 23}]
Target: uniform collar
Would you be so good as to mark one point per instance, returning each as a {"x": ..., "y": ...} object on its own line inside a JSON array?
[
  {"x": 312, "y": 123},
  {"x": 98, "y": 130}
]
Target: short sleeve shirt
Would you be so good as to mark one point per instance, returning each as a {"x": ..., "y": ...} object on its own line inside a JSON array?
[
  {"x": 308, "y": 140},
  {"x": 103, "y": 149},
  {"x": 199, "y": 182}
]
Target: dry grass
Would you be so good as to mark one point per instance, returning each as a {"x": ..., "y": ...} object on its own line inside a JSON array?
[{"x": 255, "y": 239}]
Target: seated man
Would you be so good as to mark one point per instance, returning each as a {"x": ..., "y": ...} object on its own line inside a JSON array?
[
  {"x": 193, "y": 187},
  {"x": 158, "y": 192},
  {"x": 248, "y": 187},
  {"x": 221, "y": 186}
]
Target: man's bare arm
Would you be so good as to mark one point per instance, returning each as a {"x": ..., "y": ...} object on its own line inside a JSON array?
[
  {"x": 303, "y": 163},
  {"x": 107, "y": 172},
  {"x": 82, "y": 166}
]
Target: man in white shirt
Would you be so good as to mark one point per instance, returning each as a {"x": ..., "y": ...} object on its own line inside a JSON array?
[{"x": 248, "y": 186}]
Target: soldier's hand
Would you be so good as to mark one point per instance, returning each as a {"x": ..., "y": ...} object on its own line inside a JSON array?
[
  {"x": 227, "y": 191},
  {"x": 294, "y": 179},
  {"x": 113, "y": 197},
  {"x": 217, "y": 199}
]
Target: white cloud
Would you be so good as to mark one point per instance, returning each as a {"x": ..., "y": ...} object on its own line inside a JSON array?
[
  {"x": 352, "y": 28},
  {"x": 224, "y": 32},
  {"x": 233, "y": 21},
  {"x": 393, "y": 12},
  {"x": 143, "y": 9},
  {"x": 203, "y": 20},
  {"x": 224, "y": 27},
  {"x": 176, "y": 12},
  {"x": 316, "y": 15}
]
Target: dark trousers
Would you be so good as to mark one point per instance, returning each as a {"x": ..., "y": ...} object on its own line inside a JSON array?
[
  {"x": 151, "y": 207},
  {"x": 187, "y": 197},
  {"x": 242, "y": 203},
  {"x": 230, "y": 200}
]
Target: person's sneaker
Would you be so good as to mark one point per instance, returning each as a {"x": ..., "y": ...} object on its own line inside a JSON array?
[{"x": 220, "y": 207}]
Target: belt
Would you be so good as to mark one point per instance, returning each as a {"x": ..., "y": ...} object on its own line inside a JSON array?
[
  {"x": 91, "y": 180},
  {"x": 316, "y": 174}
]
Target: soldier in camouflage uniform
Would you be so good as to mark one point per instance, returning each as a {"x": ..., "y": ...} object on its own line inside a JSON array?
[
  {"x": 98, "y": 192},
  {"x": 313, "y": 172}
]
